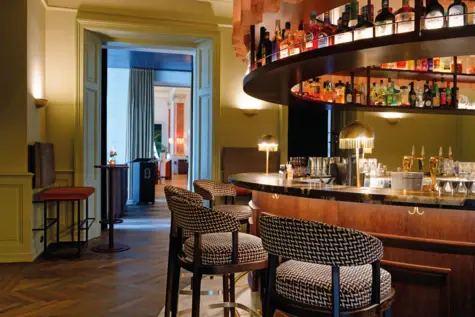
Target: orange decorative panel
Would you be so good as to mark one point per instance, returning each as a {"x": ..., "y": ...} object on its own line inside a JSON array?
[{"x": 179, "y": 128}]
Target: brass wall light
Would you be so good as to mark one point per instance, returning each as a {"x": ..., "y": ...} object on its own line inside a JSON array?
[
  {"x": 41, "y": 103},
  {"x": 250, "y": 112},
  {"x": 267, "y": 143}
]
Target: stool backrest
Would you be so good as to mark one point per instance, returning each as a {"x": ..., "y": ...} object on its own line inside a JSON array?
[
  {"x": 171, "y": 191},
  {"x": 205, "y": 188},
  {"x": 196, "y": 218},
  {"x": 316, "y": 242}
]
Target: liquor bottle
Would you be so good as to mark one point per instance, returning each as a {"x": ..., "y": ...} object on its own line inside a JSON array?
[
  {"x": 340, "y": 92},
  {"x": 311, "y": 35},
  {"x": 405, "y": 18},
  {"x": 427, "y": 98},
  {"x": 325, "y": 37},
  {"x": 384, "y": 21},
  {"x": 430, "y": 64},
  {"x": 260, "y": 46},
  {"x": 364, "y": 28},
  {"x": 266, "y": 49},
  {"x": 354, "y": 10},
  {"x": 358, "y": 94},
  {"x": 435, "y": 95},
  {"x": 349, "y": 93},
  {"x": 297, "y": 39},
  {"x": 363, "y": 95},
  {"x": 419, "y": 95},
  {"x": 276, "y": 42},
  {"x": 434, "y": 16},
  {"x": 286, "y": 43},
  {"x": 449, "y": 96},
  {"x": 389, "y": 93},
  {"x": 373, "y": 97},
  {"x": 382, "y": 94},
  {"x": 436, "y": 64},
  {"x": 344, "y": 34},
  {"x": 412, "y": 96},
  {"x": 443, "y": 94},
  {"x": 457, "y": 14},
  {"x": 317, "y": 92}
]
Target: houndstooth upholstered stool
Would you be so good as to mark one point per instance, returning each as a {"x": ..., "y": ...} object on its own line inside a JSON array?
[
  {"x": 209, "y": 190},
  {"x": 216, "y": 247},
  {"x": 331, "y": 270},
  {"x": 175, "y": 245}
]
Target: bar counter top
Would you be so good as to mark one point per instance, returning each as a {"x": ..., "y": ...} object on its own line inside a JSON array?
[{"x": 272, "y": 183}]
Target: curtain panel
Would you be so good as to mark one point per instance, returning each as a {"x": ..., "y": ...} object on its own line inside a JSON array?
[{"x": 140, "y": 114}]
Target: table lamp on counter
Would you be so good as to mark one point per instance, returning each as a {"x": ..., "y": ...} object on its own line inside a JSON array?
[
  {"x": 356, "y": 136},
  {"x": 267, "y": 143}
]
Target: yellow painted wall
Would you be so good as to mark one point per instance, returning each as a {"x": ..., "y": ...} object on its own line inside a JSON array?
[
  {"x": 36, "y": 23},
  {"x": 392, "y": 142},
  {"x": 13, "y": 65}
]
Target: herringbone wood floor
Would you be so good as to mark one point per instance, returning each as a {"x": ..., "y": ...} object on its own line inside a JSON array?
[{"x": 129, "y": 284}]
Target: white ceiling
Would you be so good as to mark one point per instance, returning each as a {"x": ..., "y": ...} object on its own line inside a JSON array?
[{"x": 217, "y": 8}]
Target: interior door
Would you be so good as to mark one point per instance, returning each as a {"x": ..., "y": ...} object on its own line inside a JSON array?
[
  {"x": 201, "y": 158},
  {"x": 92, "y": 124}
]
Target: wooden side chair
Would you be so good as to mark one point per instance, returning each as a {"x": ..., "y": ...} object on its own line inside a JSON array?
[
  {"x": 331, "y": 271},
  {"x": 209, "y": 190},
  {"x": 216, "y": 247}
]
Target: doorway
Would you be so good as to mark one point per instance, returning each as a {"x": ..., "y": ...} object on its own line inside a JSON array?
[{"x": 89, "y": 144}]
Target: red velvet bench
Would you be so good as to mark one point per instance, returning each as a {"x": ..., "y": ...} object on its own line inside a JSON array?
[{"x": 65, "y": 194}]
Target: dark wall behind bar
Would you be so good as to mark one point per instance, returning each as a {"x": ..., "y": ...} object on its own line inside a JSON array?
[{"x": 308, "y": 131}]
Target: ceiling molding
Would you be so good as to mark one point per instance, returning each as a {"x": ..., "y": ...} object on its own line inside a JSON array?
[{"x": 64, "y": 9}]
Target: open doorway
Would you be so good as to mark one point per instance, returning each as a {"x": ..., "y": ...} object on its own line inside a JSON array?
[{"x": 148, "y": 115}]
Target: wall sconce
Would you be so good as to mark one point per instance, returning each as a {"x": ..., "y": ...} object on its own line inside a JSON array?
[
  {"x": 40, "y": 103},
  {"x": 392, "y": 117},
  {"x": 250, "y": 112}
]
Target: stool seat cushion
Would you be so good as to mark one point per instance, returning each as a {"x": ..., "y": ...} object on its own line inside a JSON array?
[
  {"x": 241, "y": 212},
  {"x": 312, "y": 284},
  {"x": 217, "y": 248},
  {"x": 240, "y": 191},
  {"x": 67, "y": 193}
]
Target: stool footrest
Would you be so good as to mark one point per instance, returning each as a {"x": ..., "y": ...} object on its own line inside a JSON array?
[
  {"x": 86, "y": 222},
  {"x": 51, "y": 221}
]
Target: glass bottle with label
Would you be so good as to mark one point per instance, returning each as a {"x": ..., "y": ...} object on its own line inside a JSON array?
[
  {"x": 435, "y": 95},
  {"x": 427, "y": 96},
  {"x": 389, "y": 93},
  {"x": 364, "y": 28},
  {"x": 260, "y": 47},
  {"x": 457, "y": 14},
  {"x": 312, "y": 32},
  {"x": 419, "y": 95},
  {"x": 349, "y": 93},
  {"x": 325, "y": 37},
  {"x": 344, "y": 34},
  {"x": 405, "y": 18},
  {"x": 354, "y": 10},
  {"x": 443, "y": 94},
  {"x": 299, "y": 40},
  {"x": 286, "y": 43},
  {"x": 382, "y": 94},
  {"x": 276, "y": 42},
  {"x": 434, "y": 16},
  {"x": 373, "y": 97},
  {"x": 449, "y": 96},
  {"x": 412, "y": 96},
  {"x": 357, "y": 94},
  {"x": 384, "y": 21}
]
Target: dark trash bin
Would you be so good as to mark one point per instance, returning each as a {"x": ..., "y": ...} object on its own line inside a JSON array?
[{"x": 143, "y": 176}]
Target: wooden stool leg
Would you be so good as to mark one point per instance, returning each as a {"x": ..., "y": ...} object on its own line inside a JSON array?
[
  {"x": 170, "y": 276},
  {"x": 226, "y": 293},
  {"x": 57, "y": 221},
  {"x": 79, "y": 228},
  {"x": 87, "y": 221},
  {"x": 72, "y": 221},
  {"x": 195, "y": 305},
  {"x": 232, "y": 293},
  {"x": 175, "y": 289},
  {"x": 262, "y": 285},
  {"x": 45, "y": 230}
]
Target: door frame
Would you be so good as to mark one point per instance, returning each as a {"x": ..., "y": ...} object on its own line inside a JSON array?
[{"x": 102, "y": 23}]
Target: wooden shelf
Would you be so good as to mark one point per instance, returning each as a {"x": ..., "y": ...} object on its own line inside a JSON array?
[{"x": 304, "y": 102}]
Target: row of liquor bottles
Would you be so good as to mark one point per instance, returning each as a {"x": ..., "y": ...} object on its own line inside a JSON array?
[
  {"x": 354, "y": 25},
  {"x": 430, "y": 95}
]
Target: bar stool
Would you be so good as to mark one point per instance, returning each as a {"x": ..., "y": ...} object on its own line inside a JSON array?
[
  {"x": 331, "y": 270},
  {"x": 216, "y": 247},
  {"x": 209, "y": 190},
  {"x": 175, "y": 245}
]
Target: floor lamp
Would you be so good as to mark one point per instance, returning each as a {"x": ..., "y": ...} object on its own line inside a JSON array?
[
  {"x": 356, "y": 136},
  {"x": 267, "y": 143}
]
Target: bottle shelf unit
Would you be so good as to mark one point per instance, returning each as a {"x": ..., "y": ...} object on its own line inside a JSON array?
[{"x": 299, "y": 101}]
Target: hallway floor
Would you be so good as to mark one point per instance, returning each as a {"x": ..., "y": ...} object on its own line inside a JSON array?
[{"x": 127, "y": 284}]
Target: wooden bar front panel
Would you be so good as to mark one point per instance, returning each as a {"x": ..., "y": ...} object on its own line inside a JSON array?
[{"x": 429, "y": 252}]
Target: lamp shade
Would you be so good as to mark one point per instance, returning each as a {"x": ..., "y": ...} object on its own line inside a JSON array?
[
  {"x": 356, "y": 135},
  {"x": 268, "y": 142}
]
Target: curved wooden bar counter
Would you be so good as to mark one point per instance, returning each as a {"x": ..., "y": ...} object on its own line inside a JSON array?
[{"x": 429, "y": 240}]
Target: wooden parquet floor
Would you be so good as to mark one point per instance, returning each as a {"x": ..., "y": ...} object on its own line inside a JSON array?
[{"x": 128, "y": 284}]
